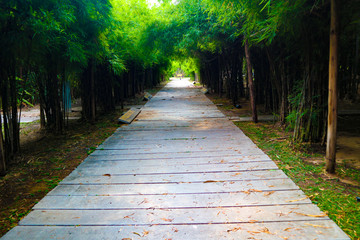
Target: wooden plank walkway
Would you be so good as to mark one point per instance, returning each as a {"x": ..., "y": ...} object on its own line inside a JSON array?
[{"x": 181, "y": 170}]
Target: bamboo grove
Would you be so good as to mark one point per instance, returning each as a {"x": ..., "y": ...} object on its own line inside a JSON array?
[{"x": 274, "y": 52}]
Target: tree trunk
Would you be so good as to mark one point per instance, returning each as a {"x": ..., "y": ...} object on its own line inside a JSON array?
[
  {"x": 332, "y": 100},
  {"x": 2, "y": 153},
  {"x": 251, "y": 84},
  {"x": 14, "y": 119},
  {"x": 92, "y": 90}
]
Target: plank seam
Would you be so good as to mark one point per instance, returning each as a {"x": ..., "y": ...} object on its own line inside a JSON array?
[
  {"x": 174, "y": 224},
  {"x": 168, "y": 208},
  {"x": 148, "y": 183},
  {"x": 162, "y": 194}
]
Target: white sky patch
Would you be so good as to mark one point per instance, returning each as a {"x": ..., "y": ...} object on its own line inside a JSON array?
[{"x": 152, "y": 3}]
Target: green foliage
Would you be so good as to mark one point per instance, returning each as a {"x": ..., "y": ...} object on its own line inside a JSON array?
[{"x": 189, "y": 66}]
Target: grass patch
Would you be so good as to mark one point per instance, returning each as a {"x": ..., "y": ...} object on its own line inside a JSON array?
[{"x": 306, "y": 168}]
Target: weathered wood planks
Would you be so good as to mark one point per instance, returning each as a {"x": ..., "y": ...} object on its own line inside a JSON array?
[{"x": 180, "y": 171}]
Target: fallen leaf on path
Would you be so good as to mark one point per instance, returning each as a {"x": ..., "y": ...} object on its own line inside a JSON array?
[
  {"x": 252, "y": 190},
  {"x": 235, "y": 229},
  {"x": 144, "y": 201},
  {"x": 269, "y": 193},
  {"x": 137, "y": 234},
  {"x": 297, "y": 200},
  {"x": 311, "y": 215},
  {"x": 284, "y": 214},
  {"x": 236, "y": 174},
  {"x": 167, "y": 220},
  {"x": 129, "y": 216},
  {"x": 107, "y": 175},
  {"x": 253, "y": 232},
  {"x": 317, "y": 226},
  {"x": 175, "y": 229},
  {"x": 212, "y": 181},
  {"x": 145, "y": 233},
  {"x": 266, "y": 230}
]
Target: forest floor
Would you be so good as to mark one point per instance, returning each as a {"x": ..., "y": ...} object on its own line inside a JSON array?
[
  {"x": 45, "y": 159},
  {"x": 336, "y": 194}
]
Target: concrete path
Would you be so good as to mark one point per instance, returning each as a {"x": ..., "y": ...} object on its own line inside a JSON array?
[{"x": 180, "y": 171}]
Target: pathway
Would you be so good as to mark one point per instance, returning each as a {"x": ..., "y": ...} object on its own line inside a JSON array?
[{"x": 180, "y": 171}]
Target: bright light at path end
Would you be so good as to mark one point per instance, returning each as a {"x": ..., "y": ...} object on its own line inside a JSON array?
[{"x": 152, "y": 3}]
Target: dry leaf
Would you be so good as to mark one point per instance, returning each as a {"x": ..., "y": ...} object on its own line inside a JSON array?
[
  {"x": 254, "y": 190},
  {"x": 317, "y": 226},
  {"x": 144, "y": 201},
  {"x": 311, "y": 215},
  {"x": 253, "y": 232},
  {"x": 253, "y": 221},
  {"x": 211, "y": 181},
  {"x": 236, "y": 174},
  {"x": 175, "y": 229},
  {"x": 266, "y": 230},
  {"x": 269, "y": 193},
  {"x": 167, "y": 220},
  {"x": 145, "y": 233},
  {"x": 235, "y": 229},
  {"x": 107, "y": 175},
  {"x": 129, "y": 216},
  {"x": 287, "y": 229},
  {"x": 297, "y": 200},
  {"x": 137, "y": 234},
  {"x": 126, "y": 239}
]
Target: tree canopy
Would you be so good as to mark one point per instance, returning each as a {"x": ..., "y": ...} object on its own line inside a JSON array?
[{"x": 108, "y": 50}]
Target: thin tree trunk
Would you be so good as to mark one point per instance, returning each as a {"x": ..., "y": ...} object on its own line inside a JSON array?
[
  {"x": 14, "y": 119},
  {"x": 332, "y": 101},
  {"x": 251, "y": 84},
  {"x": 2, "y": 153},
  {"x": 92, "y": 87}
]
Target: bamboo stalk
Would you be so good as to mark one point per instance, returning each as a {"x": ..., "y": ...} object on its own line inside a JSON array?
[
  {"x": 251, "y": 84},
  {"x": 332, "y": 100}
]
